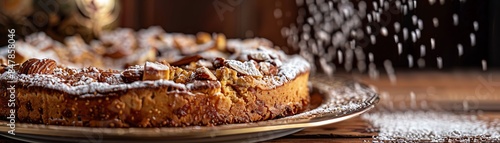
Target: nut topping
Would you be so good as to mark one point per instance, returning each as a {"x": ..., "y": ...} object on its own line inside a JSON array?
[
  {"x": 185, "y": 44},
  {"x": 218, "y": 62},
  {"x": 38, "y": 66},
  {"x": 246, "y": 68},
  {"x": 110, "y": 76},
  {"x": 3, "y": 61},
  {"x": 259, "y": 56},
  {"x": 204, "y": 63},
  {"x": 156, "y": 71},
  {"x": 113, "y": 52},
  {"x": 132, "y": 75},
  {"x": 268, "y": 68},
  {"x": 2, "y": 69},
  {"x": 220, "y": 42},
  {"x": 203, "y": 37},
  {"x": 119, "y": 43},
  {"x": 204, "y": 73}
]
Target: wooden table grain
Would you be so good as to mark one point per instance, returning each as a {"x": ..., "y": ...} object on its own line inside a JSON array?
[{"x": 457, "y": 90}]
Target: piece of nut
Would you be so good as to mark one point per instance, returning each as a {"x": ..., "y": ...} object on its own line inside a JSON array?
[
  {"x": 38, "y": 66},
  {"x": 104, "y": 75},
  {"x": 204, "y": 86},
  {"x": 218, "y": 62},
  {"x": 143, "y": 55},
  {"x": 186, "y": 60},
  {"x": 186, "y": 44},
  {"x": 256, "y": 42},
  {"x": 182, "y": 79},
  {"x": 203, "y": 37},
  {"x": 246, "y": 68},
  {"x": 259, "y": 56},
  {"x": 262, "y": 53},
  {"x": 132, "y": 75},
  {"x": 110, "y": 76},
  {"x": 97, "y": 47},
  {"x": 204, "y": 73},
  {"x": 113, "y": 51},
  {"x": 181, "y": 41},
  {"x": 2, "y": 69},
  {"x": 119, "y": 43},
  {"x": 204, "y": 63},
  {"x": 267, "y": 68},
  {"x": 20, "y": 57},
  {"x": 156, "y": 71},
  {"x": 3, "y": 61},
  {"x": 220, "y": 42}
]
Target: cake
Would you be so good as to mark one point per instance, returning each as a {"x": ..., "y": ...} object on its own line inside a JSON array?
[{"x": 201, "y": 79}]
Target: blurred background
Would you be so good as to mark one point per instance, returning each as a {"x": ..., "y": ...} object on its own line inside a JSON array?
[{"x": 288, "y": 24}]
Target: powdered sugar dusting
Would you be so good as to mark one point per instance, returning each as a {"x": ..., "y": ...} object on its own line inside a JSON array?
[
  {"x": 84, "y": 81},
  {"x": 288, "y": 71},
  {"x": 156, "y": 66},
  {"x": 88, "y": 88},
  {"x": 237, "y": 45},
  {"x": 433, "y": 126},
  {"x": 294, "y": 66},
  {"x": 247, "y": 68},
  {"x": 341, "y": 96}
]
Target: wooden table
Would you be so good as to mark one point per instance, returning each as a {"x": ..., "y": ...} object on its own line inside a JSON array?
[{"x": 480, "y": 91}]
